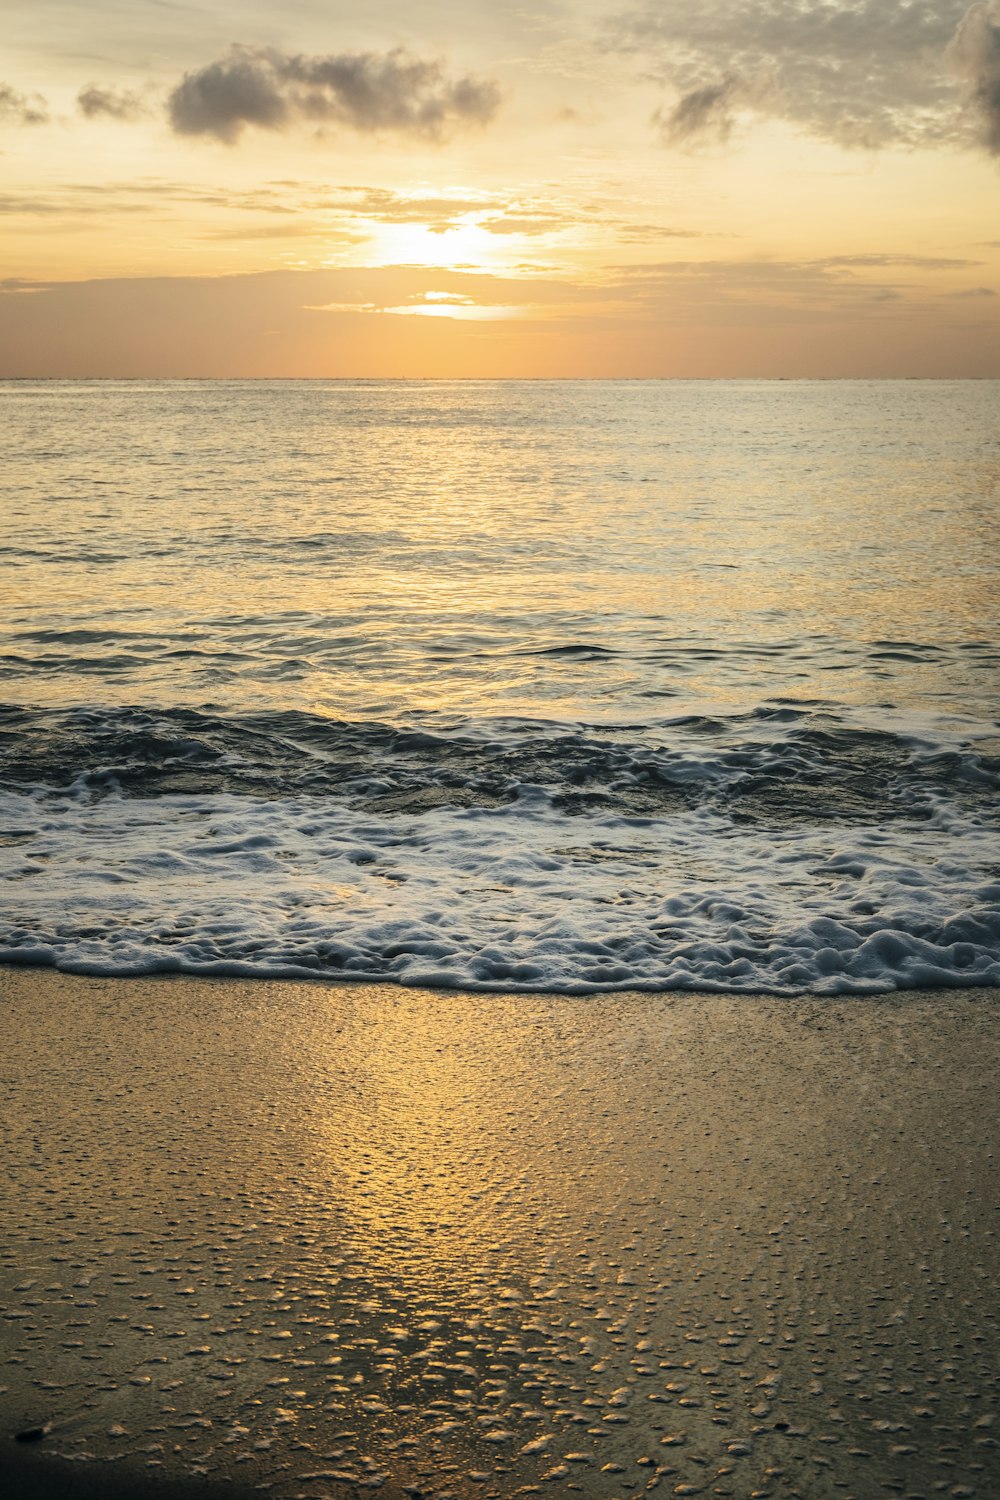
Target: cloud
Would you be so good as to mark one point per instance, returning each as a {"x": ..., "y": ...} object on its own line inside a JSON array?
[
  {"x": 385, "y": 206},
  {"x": 759, "y": 291},
  {"x": 534, "y": 215},
  {"x": 17, "y": 203},
  {"x": 21, "y": 109},
  {"x": 347, "y": 213},
  {"x": 96, "y": 102},
  {"x": 701, "y": 114},
  {"x": 517, "y": 222},
  {"x": 366, "y": 91},
  {"x": 691, "y": 317},
  {"x": 866, "y": 73},
  {"x": 492, "y": 212},
  {"x": 878, "y": 261},
  {"x": 293, "y": 228},
  {"x": 974, "y": 54},
  {"x": 225, "y": 325},
  {"x": 152, "y": 195},
  {"x": 223, "y": 97}
]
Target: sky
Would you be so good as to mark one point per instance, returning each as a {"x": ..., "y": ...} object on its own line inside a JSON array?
[{"x": 473, "y": 188}]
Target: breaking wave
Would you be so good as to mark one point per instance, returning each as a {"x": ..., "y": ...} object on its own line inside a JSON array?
[{"x": 787, "y": 849}]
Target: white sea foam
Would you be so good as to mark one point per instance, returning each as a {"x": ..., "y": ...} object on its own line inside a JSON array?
[{"x": 512, "y": 897}]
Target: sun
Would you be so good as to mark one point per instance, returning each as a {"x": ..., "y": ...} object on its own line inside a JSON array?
[{"x": 465, "y": 244}]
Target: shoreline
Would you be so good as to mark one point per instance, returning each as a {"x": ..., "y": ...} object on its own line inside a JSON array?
[
  {"x": 236, "y": 972},
  {"x": 288, "y": 1236}
]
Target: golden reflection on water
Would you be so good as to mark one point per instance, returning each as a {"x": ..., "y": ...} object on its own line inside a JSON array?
[{"x": 383, "y": 548}]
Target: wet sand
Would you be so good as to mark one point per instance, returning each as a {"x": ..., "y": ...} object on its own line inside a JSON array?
[{"x": 325, "y": 1241}]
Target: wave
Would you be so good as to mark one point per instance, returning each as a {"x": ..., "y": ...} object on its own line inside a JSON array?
[
  {"x": 780, "y": 763},
  {"x": 787, "y": 850}
]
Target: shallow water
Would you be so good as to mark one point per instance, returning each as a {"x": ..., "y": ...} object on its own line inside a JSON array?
[{"x": 523, "y": 684}]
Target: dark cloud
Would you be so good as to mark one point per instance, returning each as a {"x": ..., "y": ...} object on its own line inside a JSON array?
[
  {"x": 223, "y": 97},
  {"x": 21, "y": 109},
  {"x": 366, "y": 91},
  {"x": 705, "y": 114},
  {"x": 864, "y": 73},
  {"x": 97, "y": 102},
  {"x": 975, "y": 56}
]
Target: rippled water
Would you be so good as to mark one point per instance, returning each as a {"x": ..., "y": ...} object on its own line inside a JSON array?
[{"x": 559, "y": 685}]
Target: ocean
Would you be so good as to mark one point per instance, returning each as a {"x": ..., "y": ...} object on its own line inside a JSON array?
[{"x": 563, "y": 686}]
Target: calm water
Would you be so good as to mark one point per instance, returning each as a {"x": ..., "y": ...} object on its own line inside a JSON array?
[{"x": 540, "y": 685}]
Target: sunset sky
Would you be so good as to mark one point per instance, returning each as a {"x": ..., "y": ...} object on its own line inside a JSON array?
[{"x": 460, "y": 188}]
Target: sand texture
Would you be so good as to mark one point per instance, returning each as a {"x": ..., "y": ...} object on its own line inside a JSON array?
[{"x": 326, "y": 1241}]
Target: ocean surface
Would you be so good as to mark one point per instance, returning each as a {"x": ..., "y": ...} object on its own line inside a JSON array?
[{"x": 517, "y": 685}]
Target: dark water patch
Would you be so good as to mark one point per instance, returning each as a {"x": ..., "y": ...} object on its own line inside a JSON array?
[
  {"x": 784, "y": 713},
  {"x": 913, "y": 656},
  {"x": 628, "y": 801},
  {"x": 417, "y": 800},
  {"x": 77, "y": 636},
  {"x": 570, "y": 649},
  {"x": 14, "y": 665},
  {"x": 776, "y": 767}
]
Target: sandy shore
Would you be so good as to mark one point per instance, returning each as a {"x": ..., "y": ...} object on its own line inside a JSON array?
[{"x": 318, "y": 1240}]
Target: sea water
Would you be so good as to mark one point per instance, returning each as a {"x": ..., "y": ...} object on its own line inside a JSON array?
[{"x": 515, "y": 685}]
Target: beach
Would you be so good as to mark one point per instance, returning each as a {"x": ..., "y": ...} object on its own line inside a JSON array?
[
  {"x": 500, "y": 939},
  {"x": 328, "y": 1239}
]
